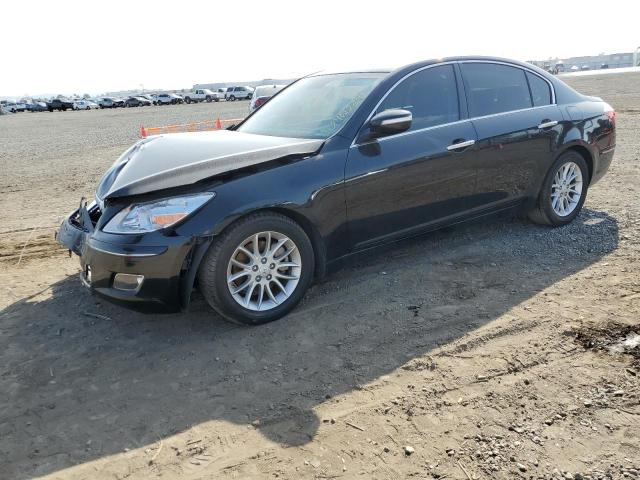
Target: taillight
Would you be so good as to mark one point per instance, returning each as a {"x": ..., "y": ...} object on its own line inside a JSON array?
[
  {"x": 259, "y": 102},
  {"x": 612, "y": 116}
]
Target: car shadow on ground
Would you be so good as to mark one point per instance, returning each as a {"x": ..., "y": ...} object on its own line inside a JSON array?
[{"x": 81, "y": 379}]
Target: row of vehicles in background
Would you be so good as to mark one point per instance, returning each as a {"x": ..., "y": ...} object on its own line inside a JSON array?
[{"x": 257, "y": 96}]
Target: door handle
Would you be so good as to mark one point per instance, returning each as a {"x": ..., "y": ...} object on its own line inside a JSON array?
[
  {"x": 548, "y": 123},
  {"x": 459, "y": 145}
]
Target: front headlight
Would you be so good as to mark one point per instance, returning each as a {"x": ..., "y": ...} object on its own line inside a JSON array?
[{"x": 150, "y": 216}]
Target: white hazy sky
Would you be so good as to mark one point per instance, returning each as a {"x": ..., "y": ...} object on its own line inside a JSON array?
[{"x": 69, "y": 46}]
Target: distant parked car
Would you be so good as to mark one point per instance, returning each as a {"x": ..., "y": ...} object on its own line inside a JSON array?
[
  {"x": 238, "y": 93},
  {"x": 604, "y": 66},
  {"x": 60, "y": 104},
  {"x": 84, "y": 105},
  {"x": 37, "y": 107},
  {"x": 169, "y": 99},
  {"x": 585, "y": 68},
  {"x": 108, "y": 102},
  {"x": 137, "y": 102},
  {"x": 148, "y": 97},
  {"x": 163, "y": 99},
  {"x": 263, "y": 93},
  {"x": 201, "y": 95},
  {"x": 15, "y": 107}
]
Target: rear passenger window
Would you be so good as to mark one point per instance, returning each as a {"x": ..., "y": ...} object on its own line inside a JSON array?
[
  {"x": 540, "y": 91},
  {"x": 493, "y": 88},
  {"x": 430, "y": 95}
]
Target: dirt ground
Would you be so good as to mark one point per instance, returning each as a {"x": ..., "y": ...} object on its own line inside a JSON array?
[{"x": 493, "y": 350}]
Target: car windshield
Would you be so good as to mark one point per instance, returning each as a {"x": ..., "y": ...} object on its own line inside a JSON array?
[{"x": 314, "y": 107}]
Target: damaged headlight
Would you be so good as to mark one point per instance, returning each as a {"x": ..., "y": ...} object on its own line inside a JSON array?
[{"x": 150, "y": 216}]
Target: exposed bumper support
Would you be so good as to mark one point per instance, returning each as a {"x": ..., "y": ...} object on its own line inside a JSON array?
[{"x": 167, "y": 272}]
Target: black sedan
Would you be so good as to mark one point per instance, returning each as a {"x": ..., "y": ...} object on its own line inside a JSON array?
[
  {"x": 137, "y": 102},
  {"x": 253, "y": 214}
]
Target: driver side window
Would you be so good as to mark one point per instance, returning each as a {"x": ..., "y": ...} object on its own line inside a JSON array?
[{"x": 431, "y": 96}]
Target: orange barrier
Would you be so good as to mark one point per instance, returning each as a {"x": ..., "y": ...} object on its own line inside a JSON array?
[{"x": 205, "y": 126}]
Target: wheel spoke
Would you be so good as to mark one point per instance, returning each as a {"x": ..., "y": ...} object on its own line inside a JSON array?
[
  {"x": 279, "y": 283},
  {"x": 260, "y": 296},
  {"x": 247, "y": 299},
  {"x": 286, "y": 276},
  {"x": 267, "y": 245},
  {"x": 256, "y": 244},
  {"x": 238, "y": 275},
  {"x": 237, "y": 263},
  {"x": 237, "y": 290},
  {"x": 271, "y": 295},
  {"x": 287, "y": 265},
  {"x": 245, "y": 251},
  {"x": 278, "y": 246},
  {"x": 286, "y": 254}
]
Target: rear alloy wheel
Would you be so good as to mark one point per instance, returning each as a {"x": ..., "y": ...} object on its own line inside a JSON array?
[
  {"x": 563, "y": 192},
  {"x": 258, "y": 270}
]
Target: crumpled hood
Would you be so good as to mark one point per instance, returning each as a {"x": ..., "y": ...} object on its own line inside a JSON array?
[{"x": 173, "y": 160}]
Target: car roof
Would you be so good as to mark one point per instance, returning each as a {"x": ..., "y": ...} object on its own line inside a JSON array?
[
  {"x": 345, "y": 72},
  {"x": 413, "y": 66}
]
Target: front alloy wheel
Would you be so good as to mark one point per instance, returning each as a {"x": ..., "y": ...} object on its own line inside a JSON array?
[
  {"x": 264, "y": 270},
  {"x": 258, "y": 269}
]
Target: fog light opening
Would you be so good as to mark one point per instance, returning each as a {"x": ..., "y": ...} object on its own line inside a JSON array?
[{"x": 127, "y": 282}]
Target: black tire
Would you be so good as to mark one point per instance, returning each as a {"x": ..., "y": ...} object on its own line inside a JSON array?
[
  {"x": 208, "y": 99},
  {"x": 216, "y": 100},
  {"x": 543, "y": 213},
  {"x": 187, "y": 100},
  {"x": 212, "y": 273},
  {"x": 232, "y": 98}
]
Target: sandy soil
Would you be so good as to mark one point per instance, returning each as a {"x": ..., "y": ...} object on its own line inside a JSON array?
[{"x": 483, "y": 351}]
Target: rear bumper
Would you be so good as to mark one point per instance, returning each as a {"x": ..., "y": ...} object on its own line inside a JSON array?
[{"x": 163, "y": 267}]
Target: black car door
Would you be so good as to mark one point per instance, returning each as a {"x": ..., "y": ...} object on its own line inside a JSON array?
[
  {"x": 404, "y": 183},
  {"x": 517, "y": 124}
]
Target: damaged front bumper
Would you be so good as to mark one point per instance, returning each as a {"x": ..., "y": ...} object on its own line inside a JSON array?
[{"x": 141, "y": 271}]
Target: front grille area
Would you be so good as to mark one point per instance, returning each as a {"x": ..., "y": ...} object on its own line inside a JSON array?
[
  {"x": 76, "y": 219},
  {"x": 94, "y": 214}
]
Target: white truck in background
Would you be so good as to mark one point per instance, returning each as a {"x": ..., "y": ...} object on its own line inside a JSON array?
[{"x": 201, "y": 95}]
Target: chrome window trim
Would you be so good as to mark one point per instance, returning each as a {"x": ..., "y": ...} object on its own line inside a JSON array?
[
  {"x": 448, "y": 124},
  {"x": 453, "y": 62}
]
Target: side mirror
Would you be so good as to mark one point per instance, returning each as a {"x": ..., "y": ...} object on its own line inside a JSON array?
[{"x": 389, "y": 122}]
